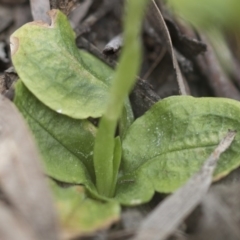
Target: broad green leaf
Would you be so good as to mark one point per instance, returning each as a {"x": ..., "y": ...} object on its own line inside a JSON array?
[
  {"x": 134, "y": 189},
  {"x": 170, "y": 142},
  {"x": 129, "y": 65},
  {"x": 102, "y": 71},
  {"x": 66, "y": 144},
  {"x": 67, "y": 80},
  {"x": 81, "y": 215}
]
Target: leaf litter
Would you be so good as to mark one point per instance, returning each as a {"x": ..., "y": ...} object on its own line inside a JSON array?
[{"x": 31, "y": 203}]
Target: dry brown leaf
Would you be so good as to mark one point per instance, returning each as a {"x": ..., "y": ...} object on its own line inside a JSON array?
[
  {"x": 21, "y": 178},
  {"x": 11, "y": 226}
]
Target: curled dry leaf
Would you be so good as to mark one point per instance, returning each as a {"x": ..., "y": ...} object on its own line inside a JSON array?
[{"x": 21, "y": 179}]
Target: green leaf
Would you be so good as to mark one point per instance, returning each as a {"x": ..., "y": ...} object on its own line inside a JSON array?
[
  {"x": 129, "y": 65},
  {"x": 102, "y": 71},
  {"x": 81, "y": 215},
  {"x": 134, "y": 189},
  {"x": 65, "y": 79},
  {"x": 170, "y": 142},
  {"x": 117, "y": 156},
  {"x": 66, "y": 144}
]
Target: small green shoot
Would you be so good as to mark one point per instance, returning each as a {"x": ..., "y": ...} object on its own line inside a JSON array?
[{"x": 105, "y": 169}]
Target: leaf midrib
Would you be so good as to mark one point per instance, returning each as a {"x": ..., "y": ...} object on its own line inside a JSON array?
[
  {"x": 151, "y": 160},
  {"x": 74, "y": 62},
  {"x": 66, "y": 148}
]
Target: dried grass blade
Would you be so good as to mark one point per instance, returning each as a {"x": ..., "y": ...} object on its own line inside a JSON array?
[
  {"x": 22, "y": 181},
  {"x": 154, "y": 16}
]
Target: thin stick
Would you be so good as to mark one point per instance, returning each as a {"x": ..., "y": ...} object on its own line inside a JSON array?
[
  {"x": 155, "y": 17},
  {"x": 105, "y": 8},
  {"x": 39, "y": 10}
]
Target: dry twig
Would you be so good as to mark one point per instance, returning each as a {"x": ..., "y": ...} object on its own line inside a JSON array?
[
  {"x": 155, "y": 17},
  {"x": 39, "y": 10},
  {"x": 105, "y": 8},
  {"x": 114, "y": 45},
  {"x": 217, "y": 79}
]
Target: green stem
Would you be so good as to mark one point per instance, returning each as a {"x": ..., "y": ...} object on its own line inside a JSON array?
[{"x": 129, "y": 64}]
